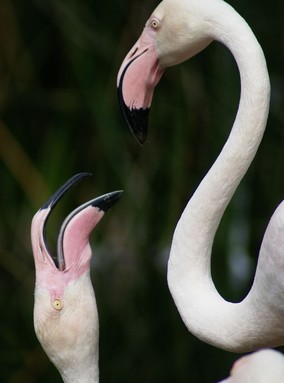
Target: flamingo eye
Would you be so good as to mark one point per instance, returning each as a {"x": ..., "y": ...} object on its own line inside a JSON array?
[
  {"x": 57, "y": 304},
  {"x": 155, "y": 23}
]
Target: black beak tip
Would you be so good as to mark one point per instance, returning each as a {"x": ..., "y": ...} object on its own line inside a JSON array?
[
  {"x": 106, "y": 201},
  {"x": 136, "y": 119}
]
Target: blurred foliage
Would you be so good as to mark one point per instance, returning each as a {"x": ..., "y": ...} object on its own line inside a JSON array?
[{"x": 60, "y": 115}]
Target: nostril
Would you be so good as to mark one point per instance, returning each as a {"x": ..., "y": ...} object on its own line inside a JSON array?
[{"x": 133, "y": 53}]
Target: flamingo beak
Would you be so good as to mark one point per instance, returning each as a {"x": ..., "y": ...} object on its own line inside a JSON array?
[
  {"x": 53, "y": 200},
  {"x": 138, "y": 75},
  {"x": 102, "y": 203}
]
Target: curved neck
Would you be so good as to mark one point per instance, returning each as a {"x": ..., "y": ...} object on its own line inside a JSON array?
[
  {"x": 217, "y": 188},
  {"x": 189, "y": 274}
]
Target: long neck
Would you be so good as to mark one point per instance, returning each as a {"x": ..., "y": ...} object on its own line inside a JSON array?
[{"x": 203, "y": 310}]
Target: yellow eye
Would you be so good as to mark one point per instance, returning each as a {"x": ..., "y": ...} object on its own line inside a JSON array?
[
  {"x": 154, "y": 23},
  {"x": 57, "y": 304}
]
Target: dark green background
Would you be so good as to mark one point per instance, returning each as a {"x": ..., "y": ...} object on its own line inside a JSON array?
[{"x": 60, "y": 115}]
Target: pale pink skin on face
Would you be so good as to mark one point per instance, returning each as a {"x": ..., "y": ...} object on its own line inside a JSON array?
[
  {"x": 76, "y": 249},
  {"x": 65, "y": 311},
  {"x": 143, "y": 72}
]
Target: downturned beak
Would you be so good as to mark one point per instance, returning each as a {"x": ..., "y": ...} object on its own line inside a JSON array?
[
  {"x": 101, "y": 204},
  {"x": 138, "y": 75}
]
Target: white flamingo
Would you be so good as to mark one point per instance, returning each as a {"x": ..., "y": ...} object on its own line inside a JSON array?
[
  {"x": 65, "y": 311},
  {"x": 176, "y": 31}
]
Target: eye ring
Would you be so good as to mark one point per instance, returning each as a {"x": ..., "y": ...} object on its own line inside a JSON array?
[
  {"x": 155, "y": 23},
  {"x": 57, "y": 304}
]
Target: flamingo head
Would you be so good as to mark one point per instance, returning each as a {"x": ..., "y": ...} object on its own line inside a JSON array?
[
  {"x": 175, "y": 32},
  {"x": 65, "y": 312}
]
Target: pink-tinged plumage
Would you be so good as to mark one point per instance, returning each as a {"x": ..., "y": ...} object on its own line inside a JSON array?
[
  {"x": 65, "y": 311},
  {"x": 178, "y": 30}
]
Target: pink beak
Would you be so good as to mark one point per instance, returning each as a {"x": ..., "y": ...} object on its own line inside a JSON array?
[
  {"x": 75, "y": 230},
  {"x": 138, "y": 75}
]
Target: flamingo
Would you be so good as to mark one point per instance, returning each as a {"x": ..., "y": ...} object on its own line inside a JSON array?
[
  {"x": 176, "y": 31},
  {"x": 262, "y": 366},
  {"x": 65, "y": 312}
]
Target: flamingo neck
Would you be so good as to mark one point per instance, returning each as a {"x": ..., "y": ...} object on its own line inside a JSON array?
[
  {"x": 203, "y": 310},
  {"x": 86, "y": 376},
  {"x": 82, "y": 364}
]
